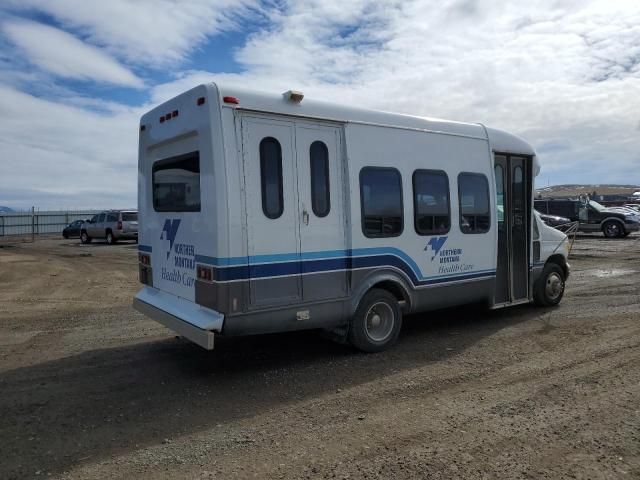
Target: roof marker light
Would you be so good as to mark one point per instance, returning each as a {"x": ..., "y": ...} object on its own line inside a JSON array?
[
  {"x": 294, "y": 96},
  {"x": 174, "y": 113},
  {"x": 233, "y": 100},
  {"x": 168, "y": 116},
  {"x": 200, "y": 101},
  {"x": 162, "y": 119}
]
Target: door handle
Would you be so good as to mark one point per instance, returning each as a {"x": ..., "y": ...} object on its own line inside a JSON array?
[{"x": 305, "y": 217}]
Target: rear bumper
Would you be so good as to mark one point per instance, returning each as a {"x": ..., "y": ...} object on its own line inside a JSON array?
[{"x": 186, "y": 318}]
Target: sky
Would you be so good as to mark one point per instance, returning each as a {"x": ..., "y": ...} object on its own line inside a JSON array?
[{"x": 76, "y": 75}]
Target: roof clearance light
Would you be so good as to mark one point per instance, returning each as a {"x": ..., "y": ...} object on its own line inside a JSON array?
[
  {"x": 200, "y": 101},
  {"x": 168, "y": 116},
  {"x": 233, "y": 100},
  {"x": 162, "y": 119},
  {"x": 174, "y": 113},
  {"x": 294, "y": 96}
]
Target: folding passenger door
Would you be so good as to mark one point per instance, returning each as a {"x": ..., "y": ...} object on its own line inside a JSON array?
[
  {"x": 513, "y": 197},
  {"x": 272, "y": 219},
  {"x": 321, "y": 211}
]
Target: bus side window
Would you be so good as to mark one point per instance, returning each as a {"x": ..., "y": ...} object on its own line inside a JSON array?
[
  {"x": 381, "y": 202},
  {"x": 271, "y": 177},
  {"x": 473, "y": 198},
  {"x": 431, "y": 211},
  {"x": 319, "y": 168}
]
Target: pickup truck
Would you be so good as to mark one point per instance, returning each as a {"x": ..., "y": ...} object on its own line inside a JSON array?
[{"x": 591, "y": 216}]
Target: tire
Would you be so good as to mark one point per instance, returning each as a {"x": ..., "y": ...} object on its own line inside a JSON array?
[
  {"x": 612, "y": 229},
  {"x": 84, "y": 238},
  {"x": 549, "y": 288},
  {"x": 376, "y": 324},
  {"x": 65, "y": 236},
  {"x": 111, "y": 240}
]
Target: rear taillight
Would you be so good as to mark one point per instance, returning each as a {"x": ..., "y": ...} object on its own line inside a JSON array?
[
  {"x": 119, "y": 225},
  {"x": 144, "y": 259},
  {"x": 205, "y": 273}
]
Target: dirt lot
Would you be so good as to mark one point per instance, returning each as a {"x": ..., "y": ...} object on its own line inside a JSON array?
[{"x": 91, "y": 389}]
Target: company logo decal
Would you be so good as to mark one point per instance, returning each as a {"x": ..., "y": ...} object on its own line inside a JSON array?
[
  {"x": 184, "y": 261},
  {"x": 169, "y": 232},
  {"x": 436, "y": 243},
  {"x": 449, "y": 259}
]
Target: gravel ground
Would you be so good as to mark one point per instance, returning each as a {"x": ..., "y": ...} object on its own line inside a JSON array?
[{"x": 89, "y": 388}]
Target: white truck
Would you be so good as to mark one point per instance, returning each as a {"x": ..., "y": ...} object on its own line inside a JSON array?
[{"x": 267, "y": 213}]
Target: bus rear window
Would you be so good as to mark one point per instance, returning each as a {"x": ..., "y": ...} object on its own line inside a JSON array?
[{"x": 176, "y": 184}]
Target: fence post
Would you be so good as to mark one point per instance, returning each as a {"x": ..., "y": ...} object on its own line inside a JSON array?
[{"x": 33, "y": 224}]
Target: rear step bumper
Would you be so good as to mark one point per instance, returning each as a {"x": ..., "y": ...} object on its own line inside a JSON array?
[{"x": 173, "y": 312}]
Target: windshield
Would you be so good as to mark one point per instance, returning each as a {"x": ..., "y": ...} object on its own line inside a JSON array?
[{"x": 596, "y": 205}]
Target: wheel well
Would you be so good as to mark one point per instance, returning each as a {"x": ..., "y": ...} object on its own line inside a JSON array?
[
  {"x": 394, "y": 289},
  {"x": 560, "y": 261}
]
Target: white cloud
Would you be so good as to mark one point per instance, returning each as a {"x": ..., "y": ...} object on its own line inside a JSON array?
[
  {"x": 66, "y": 156},
  {"x": 564, "y": 75},
  {"x": 150, "y": 32},
  {"x": 64, "y": 55}
]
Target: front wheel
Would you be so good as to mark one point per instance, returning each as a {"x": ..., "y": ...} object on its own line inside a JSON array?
[
  {"x": 549, "y": 288},
  {"x": 375, "y": 326},
  {"x": 612, "y": 229},
  {"x": 84, "y": 238}
]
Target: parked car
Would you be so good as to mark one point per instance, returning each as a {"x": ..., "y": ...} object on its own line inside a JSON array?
[
  {"x": 553, "y": 220},
  {"x": 633, "y": 206},
  {"x": 592, "y": 217},
  {"x": 73, "y": 229},
  {"x": 111, "y": 225}
]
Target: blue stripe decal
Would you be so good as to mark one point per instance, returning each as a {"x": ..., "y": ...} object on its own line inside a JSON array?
[
  {"x": 264, "y": 266},
  {"x": 144, "y": 248}
]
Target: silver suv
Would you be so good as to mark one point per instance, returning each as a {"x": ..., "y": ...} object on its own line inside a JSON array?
[{"x": 112, "y": 225}]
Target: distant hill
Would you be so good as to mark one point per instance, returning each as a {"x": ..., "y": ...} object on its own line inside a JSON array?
[
  {"x": 572, "y": 190},
  {"x": 5, "y": 209}
]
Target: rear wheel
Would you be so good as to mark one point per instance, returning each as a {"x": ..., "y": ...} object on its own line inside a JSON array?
[
  {"x": 612, "y": 229},
  {"x": 375, "y": 326},
  {"x": 110, "y": 238},
  {"x": 549, "y": 288},
  {"x": 84, "y": 238}
]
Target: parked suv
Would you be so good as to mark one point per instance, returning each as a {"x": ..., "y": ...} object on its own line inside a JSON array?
[
  {"x": 112, "y": 225},
  {"x": 592, "y": 216}
]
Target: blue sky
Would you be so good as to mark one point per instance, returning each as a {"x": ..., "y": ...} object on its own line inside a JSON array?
[{"x": 76, "y": 75}]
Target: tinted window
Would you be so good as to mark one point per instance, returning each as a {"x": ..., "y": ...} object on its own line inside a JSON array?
[
  {"x": 431, "y": 202},
  {"x": 271, "y": 177},
  {"x": 101, "y": 218},
  {"x": 129, "y": 217},
  {"x": 319, "y": 168},
  {"x": 381, "y": 202},
  {"x": 176, "y": 184},
  {"x": 112, "y": 217},
  {"x": 473, "y": 196},
  {"x": 95, "y": 218}
]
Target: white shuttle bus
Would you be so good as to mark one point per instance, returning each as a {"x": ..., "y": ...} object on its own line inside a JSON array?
[{"x": 268, "y": 213}]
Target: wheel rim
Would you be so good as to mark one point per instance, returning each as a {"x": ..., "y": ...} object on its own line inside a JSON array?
[
  {"x": 109, "y": 238},
  {"x": 379, "y": 321},
  {"x": 613, "y": 230},
  {"x": 554, "y": 286},
  {"x": 83, "y": 237}
]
